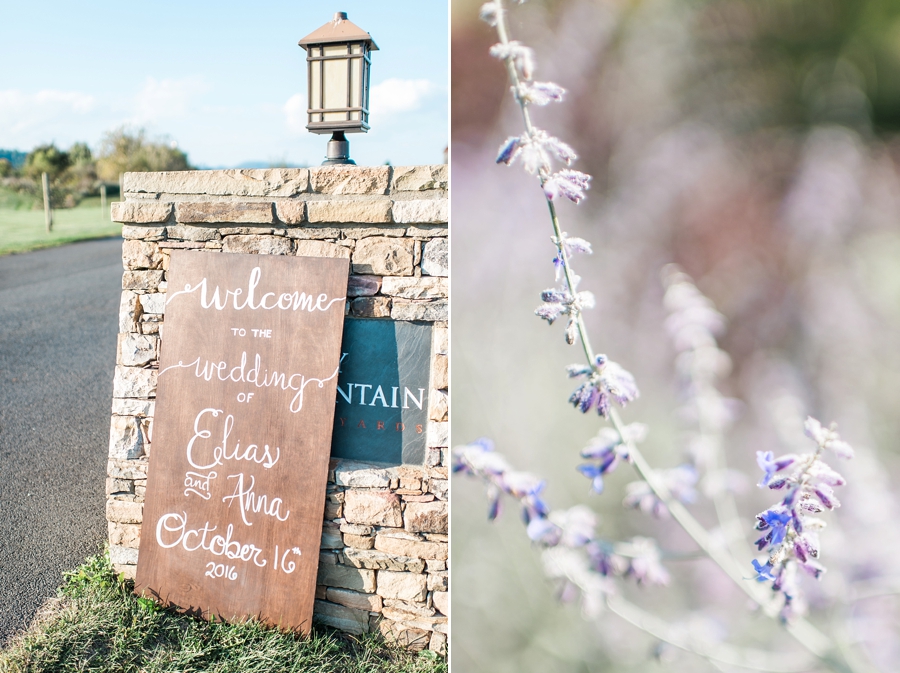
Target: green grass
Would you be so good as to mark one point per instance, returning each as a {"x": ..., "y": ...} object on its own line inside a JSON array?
[
  {"x": 23, "y": 230},
  {"x": 97, "y": 624}
]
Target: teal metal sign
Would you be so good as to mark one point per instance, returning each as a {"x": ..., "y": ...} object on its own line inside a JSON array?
[{"x": 382, "y": 393}]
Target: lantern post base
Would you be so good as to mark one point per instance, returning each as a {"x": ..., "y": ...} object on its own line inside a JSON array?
[{"x": 337, "y": 151}]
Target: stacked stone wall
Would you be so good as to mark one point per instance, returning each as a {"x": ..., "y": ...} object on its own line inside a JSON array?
[{"x": 383, "y": 563}]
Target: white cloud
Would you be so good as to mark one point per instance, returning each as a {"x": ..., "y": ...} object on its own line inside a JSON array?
[
  {"x": 166, "y": 99},
  {"x": 295, "y": 113},
  {"x": 399, "y": 95},
  {"x": 22, "y": 112}
]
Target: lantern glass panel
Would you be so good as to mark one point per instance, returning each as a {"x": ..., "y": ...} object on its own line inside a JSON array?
[
  {"x": 336, "y": 73},
  {"x": 315, "y": 78},
  {"x": 355, "y": 87}
]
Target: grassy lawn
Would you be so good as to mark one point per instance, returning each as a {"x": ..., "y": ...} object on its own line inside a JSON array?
[
  {"x": 22, "y": 230},
  {"x": 97, "y": 624}
]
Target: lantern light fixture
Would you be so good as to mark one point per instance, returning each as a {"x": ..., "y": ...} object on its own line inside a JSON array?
[{"x": 338, "y": 61}]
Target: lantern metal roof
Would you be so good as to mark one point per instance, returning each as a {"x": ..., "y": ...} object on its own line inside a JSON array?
[{"x": 339, "y": 29}]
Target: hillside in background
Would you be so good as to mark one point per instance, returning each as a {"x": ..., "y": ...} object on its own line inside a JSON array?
[{"x": 16, "y": 158}]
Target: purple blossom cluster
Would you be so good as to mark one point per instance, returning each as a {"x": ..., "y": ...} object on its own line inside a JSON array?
[
  {"x": 535, "y": 148},
  {"x": 790, "y": 529},
  {"x": 563, "y": 531},
  {"x": 605, "y": 381}
]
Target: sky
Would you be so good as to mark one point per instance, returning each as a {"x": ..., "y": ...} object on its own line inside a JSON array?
[{"x": 224, "y": 80}]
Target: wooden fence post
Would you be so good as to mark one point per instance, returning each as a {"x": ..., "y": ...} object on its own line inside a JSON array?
[
  {"x": 48, "y": 214},
  {"x": 103, "y": 200}
]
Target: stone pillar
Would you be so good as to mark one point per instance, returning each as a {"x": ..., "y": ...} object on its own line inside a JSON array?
[{"x": 384, "y": 554}]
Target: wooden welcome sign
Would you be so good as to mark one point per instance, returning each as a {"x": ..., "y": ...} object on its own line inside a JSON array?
[{"x": 242, "y": 435}]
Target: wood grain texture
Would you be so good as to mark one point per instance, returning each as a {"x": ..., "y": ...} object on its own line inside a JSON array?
[{"x": 242, "y": 435}]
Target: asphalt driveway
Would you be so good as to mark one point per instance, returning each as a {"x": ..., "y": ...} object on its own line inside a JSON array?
[{"x": 58, "y": 324}]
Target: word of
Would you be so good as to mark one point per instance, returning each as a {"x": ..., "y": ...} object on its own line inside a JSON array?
[{"x": 286, "y": 301}]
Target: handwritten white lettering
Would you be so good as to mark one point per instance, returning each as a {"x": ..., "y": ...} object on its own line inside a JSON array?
[
  {"x": 251, "y": 502},
  {"x": 296, "y": 301}
]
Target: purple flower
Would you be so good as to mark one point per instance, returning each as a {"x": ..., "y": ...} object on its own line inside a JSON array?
[
  {"x": 521, "y": 56},
  {"x": 827, "y": 438},
  {"x": 619, "y": 383},
  {"x": 568, "y": 183},
  {"x": 611, "y": 381},
  {"x": 566, "y": 247},
  {"x": 646, "y": 565},
  {"x": 768, "y": 464},
  {"x": 763, "y": 572},
  {"x": 826, "y": 496},
  {"x": 549, "y": 312},
  {"x": 540, "y": 93},
  {"x": 542, "y": 530},
  {"x": 595, "y": 473},
  {"x": 776, "y": 522},
  {"x": 488, "y": 13},
  {"x": 509, "y": 150}
]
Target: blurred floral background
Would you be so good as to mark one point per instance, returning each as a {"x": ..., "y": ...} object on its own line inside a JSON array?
[{"x": 754, "y": 143}]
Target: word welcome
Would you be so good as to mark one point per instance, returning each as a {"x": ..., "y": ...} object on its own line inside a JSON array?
[{"x": 287, "y": 301}]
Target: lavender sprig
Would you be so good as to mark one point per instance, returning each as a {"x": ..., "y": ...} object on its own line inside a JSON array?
[
  {"x": 584, "y": 565},
  {"x": 572, "y": 529},
  {"x": 790, "y": 531}
]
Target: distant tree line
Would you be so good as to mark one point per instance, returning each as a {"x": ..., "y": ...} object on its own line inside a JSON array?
[{"x": 76, "y": 172}]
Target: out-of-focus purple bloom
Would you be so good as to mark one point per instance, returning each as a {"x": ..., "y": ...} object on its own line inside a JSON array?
[
  {"x": 578, "y": 370},
  {"x": 527, "y": 488},
  {"x": 608, "y": 448},
  {"x": 595, "y": 474},
  {"x": 820, "y": 472},
  {"x": 558, "y": 302},
  {"x": 563, "y": 151},
  {"x": 619, "y": 383},
  {"x": 549, "y": 312},
  {"x": 826, "y": 496},
  {"x": 566, "y": 246},
  {"x": 543, "y": 531},
  {"x": 812, "y": 568},
  {"x": 555, "y": 296},
  {"x": 611, "y": 381},
  {"x": 493, "y": 494},
  {"x": 763, "y": 572},
  {"x": 488, "y": 13},
  {"x": 827, "y": 438},
  {"x": 645, "y": 563},
  {"x": 577, "y": 525},
  {"x": 567, "y": 183},
  {"x": 540, "y": 93},
  {"x": 768, "y": 464},
  {"x": 521, "y": 56},
  {"x": 509, "y": 150},
  {"x": 680, "y": 481},
  {"x": 479, "y": 456}
]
